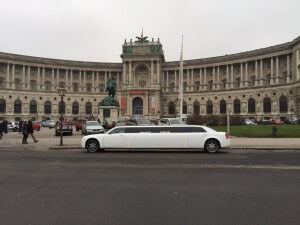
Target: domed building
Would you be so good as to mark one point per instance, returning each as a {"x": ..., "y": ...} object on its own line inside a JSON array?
[{"x": 263, "y": 83}]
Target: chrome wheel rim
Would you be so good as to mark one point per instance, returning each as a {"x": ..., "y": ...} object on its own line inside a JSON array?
[
  {"x": 92, "y": 147},
  {"x": 212, "y": 147}
]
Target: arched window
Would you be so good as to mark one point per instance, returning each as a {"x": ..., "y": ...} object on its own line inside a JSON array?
[
  {"x": 18, "y": 106},
  {"x": 32, "y": 106},
  {"x": 196, "y": 107},
  {"x": 184, "y": 107},
  {"x": 33, "y": 85},
  {"x": 267, "y": 105},
  {"x": 137, "y": 106},
  {"x": 141, "y": 68},
  {"x": 47, "y": 85},
  {"x": 75, "y": 108},
  {"x": 172, "y": 108},
  {"x": 61, "y": 107},
  {"x": 237, "y": 106},
  {"x": 88, "y": 108},
  {"x": 283, "y": 106},
  {"x": 209, "y": 107},
  {"x": 47, "y": 107},
  {"x": 223, "y": 107},
  {"x": 2, "y": 106},
  {"x": 251, "y": 105}
]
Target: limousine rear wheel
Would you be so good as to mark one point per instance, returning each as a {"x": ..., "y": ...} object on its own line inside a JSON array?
[
  {"x": 212, "y": 146},
  {"x": 92, "y": 146}
]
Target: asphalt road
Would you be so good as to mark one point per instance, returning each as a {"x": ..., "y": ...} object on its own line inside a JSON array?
[{"x": 74, "y": 187}]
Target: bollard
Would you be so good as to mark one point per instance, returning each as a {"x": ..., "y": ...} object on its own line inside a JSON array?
[{"x": 274, "y": 130}]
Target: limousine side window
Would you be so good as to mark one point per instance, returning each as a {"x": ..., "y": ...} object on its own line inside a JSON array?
[
  {"x": 120, "y": 130},
  {"x": 164, "y": 130}
]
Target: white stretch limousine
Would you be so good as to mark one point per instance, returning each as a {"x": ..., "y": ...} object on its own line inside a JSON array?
[{"x": 150, "y": 137}]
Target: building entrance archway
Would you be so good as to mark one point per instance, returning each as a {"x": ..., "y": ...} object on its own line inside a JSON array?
[{"x": 137, "y": 107}]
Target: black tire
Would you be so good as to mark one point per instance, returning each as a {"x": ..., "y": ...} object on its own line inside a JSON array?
[
  {"x": 92, "y": 146},
  {"x": 77, "y": 130},
  {"x": 38, "y": 129},
  {"x": 212, "y": 146}
]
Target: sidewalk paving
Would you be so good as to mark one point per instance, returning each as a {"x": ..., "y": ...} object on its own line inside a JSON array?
[{"x": 49, "y": 141}]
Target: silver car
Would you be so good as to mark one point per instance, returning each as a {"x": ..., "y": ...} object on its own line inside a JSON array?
[
  {"x": 170, "y": 121},
  {"x": 92, "y": 127}
]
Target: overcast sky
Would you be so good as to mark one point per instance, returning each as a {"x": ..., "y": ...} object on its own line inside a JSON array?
[{"x": 94, "y": 30}]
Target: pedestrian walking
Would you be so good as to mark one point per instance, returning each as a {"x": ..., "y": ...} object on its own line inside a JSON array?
[
  {"x": 20, "y": 126},
  {"x": 1, "y": 129},
  {"x": 30, "y": 130},
  {"x": 24, "y": 132},
  {"x": 5, "y": 126}
]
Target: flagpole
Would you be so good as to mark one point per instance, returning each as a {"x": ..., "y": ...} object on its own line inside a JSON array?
[{"x": 181, "y": 78}]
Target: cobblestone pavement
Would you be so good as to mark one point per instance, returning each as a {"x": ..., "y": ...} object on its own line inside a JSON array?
[{"x": 47, "y": 139}]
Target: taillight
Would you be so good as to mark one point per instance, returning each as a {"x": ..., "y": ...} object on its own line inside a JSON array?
[{"x": 226, "y": 136}]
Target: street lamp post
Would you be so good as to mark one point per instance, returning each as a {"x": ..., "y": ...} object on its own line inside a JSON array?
[
  {"x": 61, "y": 93},
  {"x": 228, "y": 121}
]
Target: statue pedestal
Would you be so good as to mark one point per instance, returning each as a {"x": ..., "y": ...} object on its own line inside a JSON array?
[{"x": 109, "y": 113}]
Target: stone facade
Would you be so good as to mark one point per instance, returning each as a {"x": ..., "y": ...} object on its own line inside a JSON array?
[{"x": 259, "y": 83}]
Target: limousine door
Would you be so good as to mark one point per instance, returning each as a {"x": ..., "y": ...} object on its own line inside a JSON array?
[{"x": 115, "y": 139}]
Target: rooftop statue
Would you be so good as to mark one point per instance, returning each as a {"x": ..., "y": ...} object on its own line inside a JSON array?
[{"x": 142, "y": 39}]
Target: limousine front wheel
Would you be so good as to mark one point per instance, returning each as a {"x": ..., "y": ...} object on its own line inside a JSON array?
[
  {"x": 92, "y": 146},
  {"x": 212, "y": 146}
]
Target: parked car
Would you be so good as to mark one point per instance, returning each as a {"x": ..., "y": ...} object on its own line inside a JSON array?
[
  {"x": 78, "y": 125},
  {"x": 51, "y": 124},
  {"x": 170, "y": 121},
  {"x": 161, "y": 137},
  {"x": 263, "y": 122},
  {"x": 66, "y": 128},
  {"x": 13, "y": 126},
  {"x": 123, "y": 122},
  {"x": 92, "y": 127},
  {"x": 140, "y": 121},
  {"x": 36, "y": 126},
  {"x": 249, "y": 122},
  {"x": 44, "y": 123},
  {"x": 276, "y": 122}
]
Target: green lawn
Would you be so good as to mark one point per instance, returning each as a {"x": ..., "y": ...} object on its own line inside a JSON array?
[{"x": 287, "y": 130}]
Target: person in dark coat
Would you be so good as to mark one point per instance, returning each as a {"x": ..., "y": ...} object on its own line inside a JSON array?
[
  {"x": 4, "y": 125},
  {"x": 30, "y": 130},
  {"x": 20, "y": 126},
  {"x": 1, "y": 129},
  {"x": 24, "y": 132}
]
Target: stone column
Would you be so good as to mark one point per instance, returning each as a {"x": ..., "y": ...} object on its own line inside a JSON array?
[
  {"x": 57, "y": 78},
  {"x": 288, "y": 69},
  {"x": 272, "y": 71},
  {"x": 52, "y": 80},
  {"x": 205, "y": 86},
  {"x": 232, "y": 82},
  {"x": 297, "y": 65},
  {"x": 167, "y": 81},
  {"x": 23, "y": 78},
  {"x": 201, "y": 79},
  {"x": 71, "y": 81},
  {"x": 93, "y": 81},
  {"x": 192, "y": 80},
  {"x": 261, "y": 72},
  {"x": 218, "y": 77},
  {"x": 256, "y": 73},
  {"x": 43, "y": 79},
  {"x": 38, "y": 78},
  {"x": 130, "y": 72},
  {"x": 7, "y": 75},
  {"x": 105, "y": 79},
  {"x": 158, "y": 74},
  {"x": 151, "y": 71},
  {"x": 188, "y": 80},
  {"x": 118, "y": 79},
  {"x": 176, "y": 85},
  {"x": 80, "y": 81},
  {"x": 242, "y": 75},
  {"x": 67, "y": 80},
  {"x": 84, "y": 81},
  {"x": 214, "y": 78},
  {"x": 97, "y": 84},
  {"x": 246, "y": 74},
  {"x": 13, "y": 76},
  {"x": 227, "y": 77},
  {"x": 124, "y": 72},
  {"x": 28, "y": 77},
  {"x": 277, "y": 70}
]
